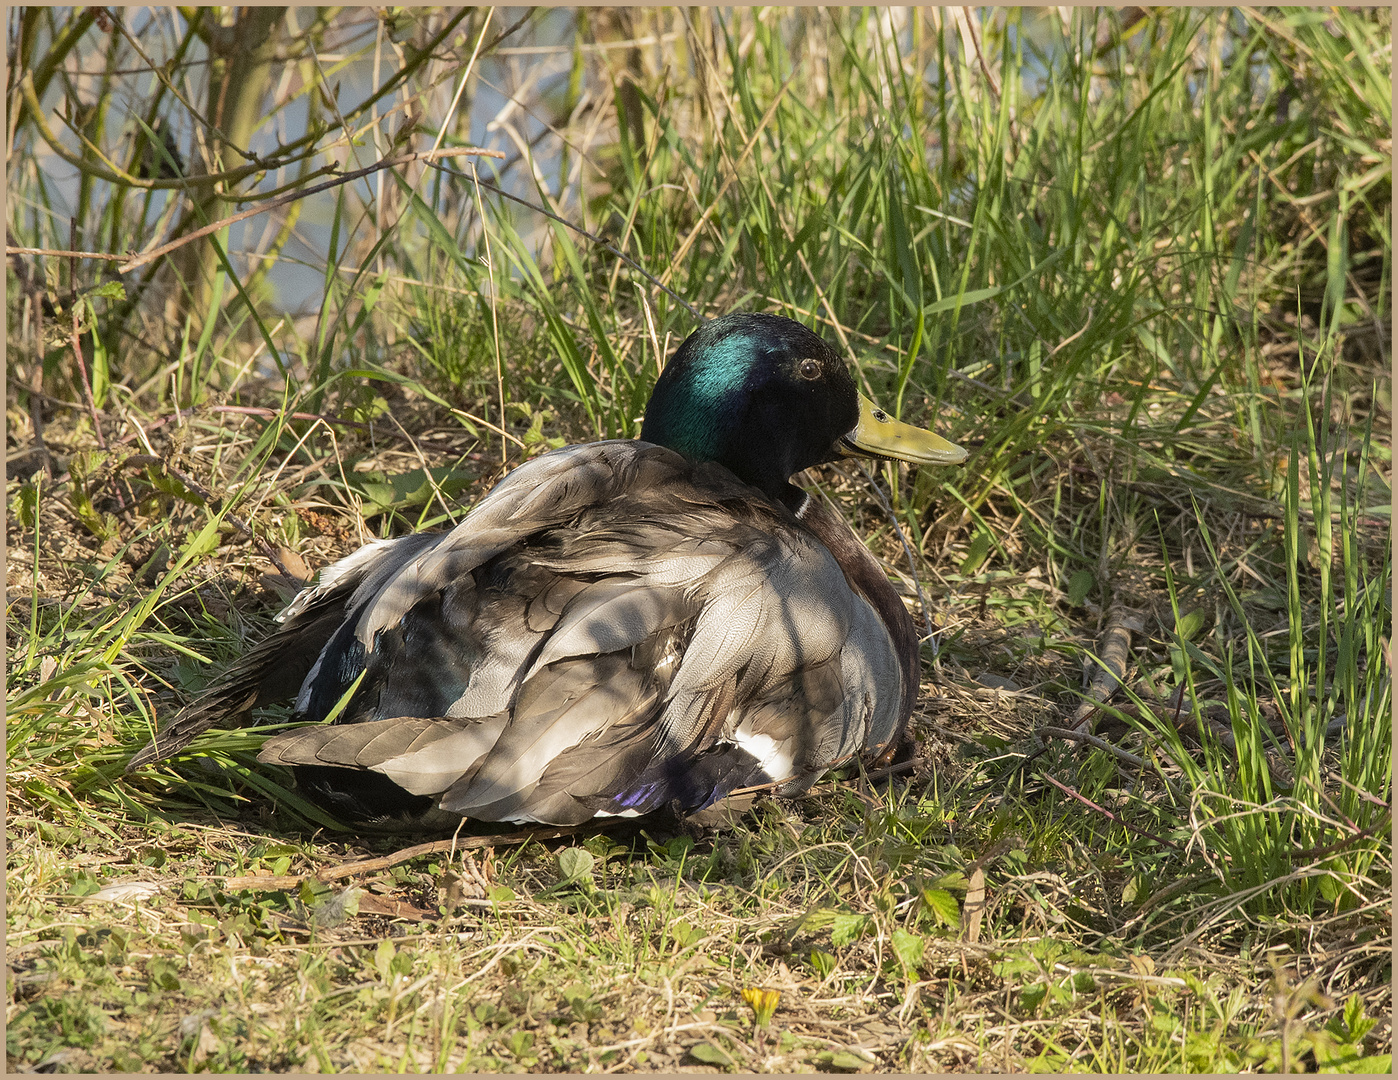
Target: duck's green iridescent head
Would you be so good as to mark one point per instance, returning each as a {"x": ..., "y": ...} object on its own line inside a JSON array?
[{"x": 765, "y": 397}]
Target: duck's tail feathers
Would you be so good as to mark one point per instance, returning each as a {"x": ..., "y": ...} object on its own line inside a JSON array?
[
  {"x": 269, "y": 672},
  {"x": 274, "y": 669}
]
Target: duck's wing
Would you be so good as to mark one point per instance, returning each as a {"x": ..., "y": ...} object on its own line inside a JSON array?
[{"x": 319, "y": 651}]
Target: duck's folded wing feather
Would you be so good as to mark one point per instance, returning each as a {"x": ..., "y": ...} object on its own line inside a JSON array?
[
  {"x": 589, "y": 712},
  {"x": 424, "y": 756},
  {"x": 363, "y": 746},
  {"x": 564, "y": 712},
  {"x": 539, "y": 495},
  {"x": 609, "y": 616}
]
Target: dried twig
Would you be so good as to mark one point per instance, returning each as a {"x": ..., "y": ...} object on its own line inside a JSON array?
[
  {"x": 251, "y": 410},
  {"x": 658, "y": 282},
  {"x": 38, "y": 302},
  {"x": 1101, "y": 744},
  {"x": 75, "y": 340},
  {"x": 1109, "y": 815},
  {"x": 64, "y": 253},
  {"x": 214, "y": 502},
  {"x": 1107, "y": 671},
  {"x": 370, "y": 866},
  {"x": 343, "y": 178},
  {"x": 732, "y": 176},
  {"x": 1092, "y": 740},
  {"x": 1360, "y": 834},
  {"x": 891, "y": 770}
]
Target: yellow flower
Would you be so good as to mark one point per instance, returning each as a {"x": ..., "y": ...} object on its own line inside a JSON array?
[{"x": 763, "y": 1004}]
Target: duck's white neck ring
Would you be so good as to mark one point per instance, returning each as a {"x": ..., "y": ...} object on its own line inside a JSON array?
[{"x": 805, "y": 506}]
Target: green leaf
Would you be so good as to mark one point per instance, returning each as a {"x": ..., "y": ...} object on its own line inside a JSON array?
[
  {"x": 943, "y": 906},
  {"x": 816, "y": 919},
  {"x": 710, "y": 1054},
  {"x": 312, "y": 892},
  {"x": 1079, "y": 585},
  {"x": 28, "y": 505},
  {"x": 164, "y": 975},
  {"x": 684, "y": 934},
  {"x": 1378, "y": 1065},
  {"x": 520, "y": 1042},
  {"x": 84, "y": 885},
  {"x": 843, "y": 1060},
  {"x": 1191, "y": 622},
  {"x": 847, "y": 927},
  {"x": 575, "y": 864},
  {"x": 164, "y": 482},
  {"x": 976, "y": 552},
  {"x": 971, "y": 296},
  {"x": 108, "y": 290},
  {"x": 384, "y": 957},
  {"x": 62, "y": 836},
  {"x": 199, "y": 542},
  {"x": 909, "y": 949},
  {"x": 1355, "y": 1024},
  {"x": 402, "y": 491},
  {"x": 578, "y": 997}
]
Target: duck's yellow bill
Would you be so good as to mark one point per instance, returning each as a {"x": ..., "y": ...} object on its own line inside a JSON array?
[{"x": 878, "y": 433}]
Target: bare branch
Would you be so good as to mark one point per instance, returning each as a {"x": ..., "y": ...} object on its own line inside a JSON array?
[{"x": 346, "y": 178}]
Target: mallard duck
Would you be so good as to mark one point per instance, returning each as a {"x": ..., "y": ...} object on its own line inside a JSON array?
[{"x": 617, "y": 627}]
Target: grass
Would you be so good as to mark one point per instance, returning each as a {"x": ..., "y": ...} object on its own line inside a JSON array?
[{"x": 1142, "y": 268}]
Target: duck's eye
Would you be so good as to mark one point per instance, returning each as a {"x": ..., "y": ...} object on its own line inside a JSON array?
[{"x": 809, "y": 369}]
